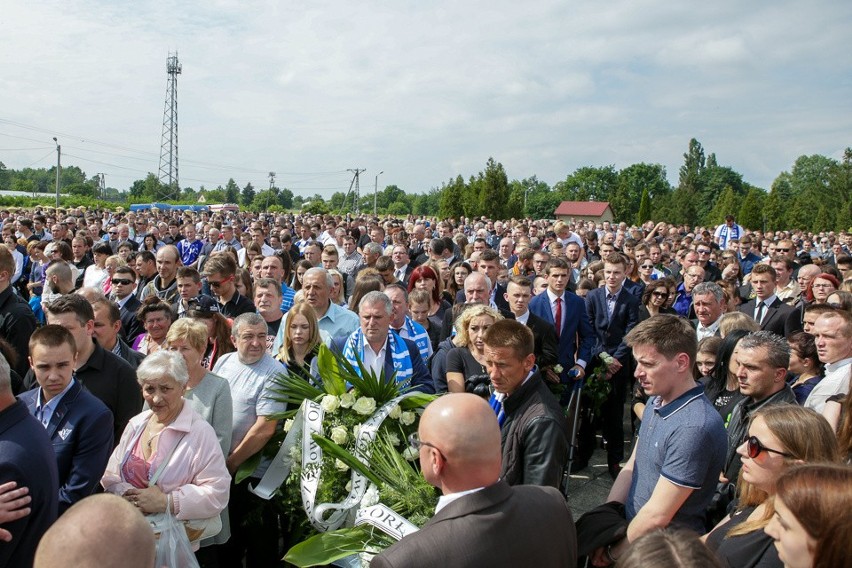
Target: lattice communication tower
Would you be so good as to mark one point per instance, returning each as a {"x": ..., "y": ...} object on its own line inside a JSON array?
[{"x": 169, "y": 145}]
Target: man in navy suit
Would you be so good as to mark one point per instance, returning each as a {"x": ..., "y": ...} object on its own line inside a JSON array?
[
  {"x": 373, "y": 336},
  {"x": 26, "y": 459},
  {"x": 567, "y": 313},
  {"x": 78, "y": 423},
  {"x": 766, "y": 308},
  {"x": 613, "y": 312}
]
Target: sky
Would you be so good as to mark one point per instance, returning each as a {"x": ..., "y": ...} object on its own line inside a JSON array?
[{"x": 422, "y": 91}]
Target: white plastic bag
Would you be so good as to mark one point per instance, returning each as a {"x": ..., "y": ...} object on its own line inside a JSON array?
[{"x": 173, "y": 548}]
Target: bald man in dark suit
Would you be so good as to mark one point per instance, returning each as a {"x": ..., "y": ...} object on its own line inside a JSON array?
[{"x": 480, "y": 521}]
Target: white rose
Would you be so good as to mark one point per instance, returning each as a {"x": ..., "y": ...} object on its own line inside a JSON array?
[
  {"x": 407, "y": 418},
  {"x": 395, "y": 412},
  {"x": 348, "y": 487},
  {"x": 371, "y": 496},
  {"x": 365, "y": 406},
  {"x": 393, "y": 438},
  {"x": 340, "y": 465},
  {"x": 330, "y": 403},
  {"x": 339, "y": 435},
  {"x": 410, "y": 453},
  {"x": 356, "y": 430},
  {"x": 347, "y": 399},
  {"x": 288, "y": 424}
]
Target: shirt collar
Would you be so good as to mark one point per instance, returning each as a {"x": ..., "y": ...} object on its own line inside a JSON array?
[
  {"x": 445, "y": 500},
  {"x": 831, "y": 367},
  {"x": 678, "y": 403},
  {"x": 53, "y": 402}
]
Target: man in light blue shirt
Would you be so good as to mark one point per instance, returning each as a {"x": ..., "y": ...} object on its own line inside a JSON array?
[{"x": 333, "y": 319}]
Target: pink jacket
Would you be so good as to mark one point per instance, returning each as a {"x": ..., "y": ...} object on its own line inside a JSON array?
[{"x": 195, "y": 476}]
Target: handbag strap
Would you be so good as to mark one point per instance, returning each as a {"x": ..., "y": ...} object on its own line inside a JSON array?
[{"x": 153, "y": 481}]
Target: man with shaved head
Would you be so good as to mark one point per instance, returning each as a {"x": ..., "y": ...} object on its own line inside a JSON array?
[
  {"x": 480, "y": 520},
  {"x": 101, "y": 531}
]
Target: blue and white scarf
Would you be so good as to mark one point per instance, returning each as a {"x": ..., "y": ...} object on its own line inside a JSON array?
[
  {"x": 399, "y": 351},
  {"x": 418, "y": 334}
]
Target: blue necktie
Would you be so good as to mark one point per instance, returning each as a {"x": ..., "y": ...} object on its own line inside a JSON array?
[{"x": 496, "y": 402}]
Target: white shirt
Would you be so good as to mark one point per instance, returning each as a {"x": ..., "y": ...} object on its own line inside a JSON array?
[
  {"x": 445, "y": 500},
  {"x": 375, "y": 360},
  {"x": 709, "y": 331},
  {"x": 835, "y": 381},
  {"x": 552, "y": 298},
  {"x": 523, "y": 318}
]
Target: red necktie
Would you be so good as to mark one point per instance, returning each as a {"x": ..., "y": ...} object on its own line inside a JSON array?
[{"x": 558, "y": 318}]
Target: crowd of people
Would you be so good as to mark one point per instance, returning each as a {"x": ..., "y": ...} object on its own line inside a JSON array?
[{"x": 139, "y": 351}]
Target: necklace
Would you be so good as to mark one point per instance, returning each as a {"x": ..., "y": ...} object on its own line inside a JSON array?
[{"x": 151, "y": 438}]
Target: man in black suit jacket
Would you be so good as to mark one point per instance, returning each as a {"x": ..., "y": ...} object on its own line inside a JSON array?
[
  {"x": 519, "y": 294},
  {"x": 489, "y": 264},
  {"x": 78, "y": 424},
  {"x": 613, "y": 312},
  {"x": 480, "y": 520},
  {"x": 123, "y": 284},
  {"x": 766, "y": 308}
]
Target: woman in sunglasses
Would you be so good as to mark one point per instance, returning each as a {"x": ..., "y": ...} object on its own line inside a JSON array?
[
  {"x": 646, "y": 272},
  {"x": 779, "y": 437},
  {"x": 654, "y": 299}
]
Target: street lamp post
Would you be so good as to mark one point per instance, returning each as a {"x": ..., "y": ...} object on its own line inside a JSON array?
[
  {"x": 376, "y": 194},
  {"x": 58, "y": 168}
]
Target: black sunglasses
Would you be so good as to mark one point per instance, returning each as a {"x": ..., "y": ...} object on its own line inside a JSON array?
[
  {"x": 754, "y": 448},
  {"x": 121, "y": 281},
  {"x": 660, "y": 294},
  {"x": 647, "y": 266}
]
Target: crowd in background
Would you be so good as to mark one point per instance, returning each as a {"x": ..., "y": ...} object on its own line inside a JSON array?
[{"x": 193, "y": 313}]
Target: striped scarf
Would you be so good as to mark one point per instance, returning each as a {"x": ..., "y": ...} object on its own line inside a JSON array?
[
  {"x": 418, "y": 334},
  {"x": 354, "y": 352}
]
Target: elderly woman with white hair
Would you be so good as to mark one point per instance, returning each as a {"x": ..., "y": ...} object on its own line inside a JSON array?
[{"x": 169, "y": 456}]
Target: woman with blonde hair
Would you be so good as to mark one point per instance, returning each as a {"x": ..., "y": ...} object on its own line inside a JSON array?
[
  {"x": 466, "y": 362},
  {"x": 301, "y": 339},
  {"x": 736, "y": 321},
  {"x": 110, "y": 265},
  {"x": 778, "y": 437}
]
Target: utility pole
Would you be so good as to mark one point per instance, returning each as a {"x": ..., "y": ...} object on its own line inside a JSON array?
[
  {"x": 169, "y": 144},
  {"x": 101, "y": 186},
  {"x": 271, "y": 185},
  {"x": 58, "y": 168},
  {"x": 376, "y": 194},
  {"x": 355, "y": 181}
]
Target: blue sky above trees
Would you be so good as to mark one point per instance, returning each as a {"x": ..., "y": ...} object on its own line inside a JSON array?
[{"x": 423, "y": 90}]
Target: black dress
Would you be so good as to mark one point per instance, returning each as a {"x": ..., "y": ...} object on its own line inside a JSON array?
[
  {"x": 751, "y": 550},
  {"x": 476, "y": 379}
]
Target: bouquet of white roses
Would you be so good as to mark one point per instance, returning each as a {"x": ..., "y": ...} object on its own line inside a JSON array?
[{"x": 343, "y": 453}]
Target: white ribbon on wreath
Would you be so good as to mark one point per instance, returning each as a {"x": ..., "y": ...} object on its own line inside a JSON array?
[{"x": 309, "y": 421}]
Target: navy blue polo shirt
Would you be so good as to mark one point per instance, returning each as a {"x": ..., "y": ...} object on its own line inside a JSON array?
[{"x": 684, "y": 442}]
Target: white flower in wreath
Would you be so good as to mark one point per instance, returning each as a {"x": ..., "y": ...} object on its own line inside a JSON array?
[
  {"x": 407, "y": 418},
  {"x": 348, "y": 486},
  {"x": 395, "y": 412},
  {"x": 330, "y": 403},
  {"x": 339, "y": 435},
  {"x": 607, "y": 358},
  {"x": 371, "y": 496},
  {"x": 364, "y": 405},
  {"x": 393, "y": 438},
  {"x": 340, "y": 465},
  {"x": 296, "y": 453},
  {"x": 347, "y": 399},
  {"x": 410, "y": 453},
  {"x": 288, "y": 424}
]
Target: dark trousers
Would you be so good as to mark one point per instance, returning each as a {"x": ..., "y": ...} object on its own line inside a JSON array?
[
  {"x": 254, "y": 531},
  {"x": 610, "y": 421}
]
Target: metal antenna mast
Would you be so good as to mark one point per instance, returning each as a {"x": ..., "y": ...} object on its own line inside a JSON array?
[
  {"x": 169, "y": 145},
  {"x": 355, "y": 181}
]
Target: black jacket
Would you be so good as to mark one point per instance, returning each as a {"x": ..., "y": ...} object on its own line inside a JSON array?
[
  {"x": 17, "y": 324},
  {"x": 534, "y": 436}
]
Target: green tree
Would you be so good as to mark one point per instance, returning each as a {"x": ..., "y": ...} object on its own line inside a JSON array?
[
  {"x": 427, "y": 203},
  {"x": 751, "y": 211},
  {"x": 247, "y": 197},
  {"x": 212, "y": 196},
  {"x": 713, "y": 183},
  {"x": 631, "y": 184},
  {"x": 232, "y": 191},
  {"x": 727, "y": 204},
  {"x": 493, "y": 191},
  {"x": 644, "y": 213},
  {"x": 285, "y": 199},
  {"x": 588, "y": 184},
  {"x": 452, "y": 198},
  {"x": 398, "y": 209},
  {"x": 693, "y": 166}
]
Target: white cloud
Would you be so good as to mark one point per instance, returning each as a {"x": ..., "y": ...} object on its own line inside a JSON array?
[{"x": 425, "y": 91}]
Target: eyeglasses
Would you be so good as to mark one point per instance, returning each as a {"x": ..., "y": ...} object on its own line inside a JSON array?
[
  {"x": 754, "y": 448},
  {"x": 660, "y": 294},
  {"x": 824, "y": 285},
  {"x": 113, "y": 232},
  {"x": 217, "y": 283},
  {"x": 781, "y": 250},
  {"x": 647, "y": 266},
  {"x": 702, "y": 251},
  {"x": 121, "y": 281},
  {"x": 415, "y": 442}
]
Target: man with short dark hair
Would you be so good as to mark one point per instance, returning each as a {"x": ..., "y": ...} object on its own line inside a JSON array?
[
  {"x": 106, "y": 332},
  {"x": 123, "y": 285},
  {"x": 104, "y": 374},
  {"x": 79, "y": 425},
  {"x": 164, "y": 284},
  {"x": 267, "y": 299},
  {"x": 766, "y": 309},
  {"x": 671, "y": 475},
  {"x": 480, "y": 520},
  {"x": 534, "y": 430},
  {"x": 761, "y": 360},
  {"x": 518, "y": 295},
  {"x": 146, "y": 269},
  {"x": 220, "y": 272}
]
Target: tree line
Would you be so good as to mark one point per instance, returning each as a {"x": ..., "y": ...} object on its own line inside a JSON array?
[{"x": 815, "y": 194}]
